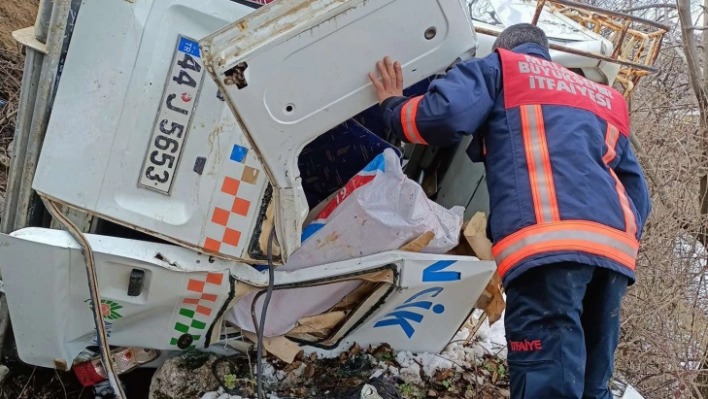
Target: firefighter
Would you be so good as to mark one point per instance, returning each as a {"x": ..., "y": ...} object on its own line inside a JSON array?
[{"x": 568, "y": 201}]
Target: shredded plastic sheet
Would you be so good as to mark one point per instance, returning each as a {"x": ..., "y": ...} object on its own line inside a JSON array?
[{"x": 378, "y": 210}]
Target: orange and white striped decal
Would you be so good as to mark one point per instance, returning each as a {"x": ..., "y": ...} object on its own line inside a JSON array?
[
  {"x": 408, "y": 114},
  {"x": 572, "y": 235},
  {"x": 234, "y": 204},
  {"x": 630, "y": 221},
  {"x": 538, "y": 160}
]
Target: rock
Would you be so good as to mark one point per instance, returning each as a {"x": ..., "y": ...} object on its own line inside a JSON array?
[{"x": 185, "y": 377}]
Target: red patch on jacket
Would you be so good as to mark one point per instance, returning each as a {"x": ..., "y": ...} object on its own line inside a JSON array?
[{"x": 530, "y": 80}]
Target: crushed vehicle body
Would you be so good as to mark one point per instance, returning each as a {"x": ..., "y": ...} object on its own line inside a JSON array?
[
  {"x": 178, "y": 140},
  {"x": 180, "y": 300}
]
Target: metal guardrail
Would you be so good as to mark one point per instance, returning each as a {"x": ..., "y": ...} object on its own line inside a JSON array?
[
  {"x": 46, "y": 45},
  {"x": 39, "y": 80}
]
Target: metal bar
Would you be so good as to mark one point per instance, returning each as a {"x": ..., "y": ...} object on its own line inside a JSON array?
[
  {"x": 42, "y": 107},
  {"x": 569, "y": 50},
  {"x": 604, "y": 58},
  {"x": 642, "y": 48},
  {"x": 656, "y": 50},
  {"x": 41, "y": 25},
  {"x": 28, "y": 95},
  {"x": 537, "y": 13},
  {"x": 599, "y": 10},
  {"x": 34, "y": 61},
  {"x": 618, "y": 47}
]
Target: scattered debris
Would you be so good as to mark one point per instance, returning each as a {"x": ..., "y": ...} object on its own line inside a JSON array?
[{"x": 477, "y": 370}]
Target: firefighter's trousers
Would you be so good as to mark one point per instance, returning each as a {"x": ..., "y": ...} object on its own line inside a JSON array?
[{"x": 562, "y": 325}]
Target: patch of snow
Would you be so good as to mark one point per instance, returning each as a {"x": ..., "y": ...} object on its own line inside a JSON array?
[
  {"x": 220, "y": 394},
  {"x": 631, "y": 393},
  {"x": 491, "y": 339}
]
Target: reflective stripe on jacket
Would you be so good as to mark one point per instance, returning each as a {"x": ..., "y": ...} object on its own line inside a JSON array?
[{"x": 563, "y": 181}]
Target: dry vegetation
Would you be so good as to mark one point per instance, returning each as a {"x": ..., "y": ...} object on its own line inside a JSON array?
[
  {"x": 664, "y": 343},
  {"x": 14, "y": 14}
]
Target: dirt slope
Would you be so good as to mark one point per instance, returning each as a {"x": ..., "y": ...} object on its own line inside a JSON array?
[{"x": 15, "y": 14}]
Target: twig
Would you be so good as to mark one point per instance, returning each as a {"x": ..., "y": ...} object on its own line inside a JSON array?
[
  {"x": 27, "y": 384},
  {"x": 61, "y": 382},
  {"x": 648, "y": 7},
  {"x": 476, "y": 328},
  {"x": 7, "y": 117}
]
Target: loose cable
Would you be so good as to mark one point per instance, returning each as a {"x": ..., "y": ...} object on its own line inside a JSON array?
[
  {"x": 101, "y": 334},
  {"x": 264, "y": 311}
]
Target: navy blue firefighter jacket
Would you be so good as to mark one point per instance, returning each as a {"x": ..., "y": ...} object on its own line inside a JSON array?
[{"x": 564, "y": 183}]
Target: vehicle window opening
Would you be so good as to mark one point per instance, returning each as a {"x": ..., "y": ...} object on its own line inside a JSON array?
[{"x": 327, "y": 163}]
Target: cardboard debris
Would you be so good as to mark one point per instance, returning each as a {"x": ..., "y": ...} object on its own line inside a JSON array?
[
  {"x": 496, "y": 305},
  {"x": 417, "y": 244},
  {"x": 475, "y": 232},
  {"x": 280, "y": 347},
  {"x": 356, "y": 297},
  {"x": 321, "y": 324},
  {"x": 492, "y": 300}
]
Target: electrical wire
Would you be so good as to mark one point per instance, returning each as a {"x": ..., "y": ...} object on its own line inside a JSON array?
[{"x": 264, "y": 311}]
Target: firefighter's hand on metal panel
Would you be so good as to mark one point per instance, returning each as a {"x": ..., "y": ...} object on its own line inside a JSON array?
[{"x": 391, "y": 82}]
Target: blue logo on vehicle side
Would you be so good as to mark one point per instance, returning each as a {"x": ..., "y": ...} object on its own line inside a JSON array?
[
  {"x": 437, "y": 273},
  {"x": 406, "y": 314}
]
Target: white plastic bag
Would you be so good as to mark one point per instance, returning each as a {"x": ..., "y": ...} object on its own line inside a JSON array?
[{"x": 378, "y": 210}]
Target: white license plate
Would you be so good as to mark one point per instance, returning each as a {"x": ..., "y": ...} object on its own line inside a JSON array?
[{"x": 173, "y": 117}]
